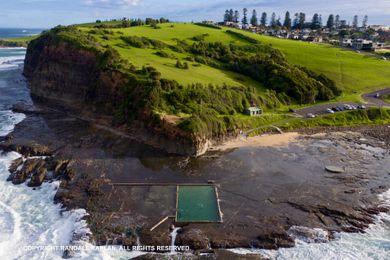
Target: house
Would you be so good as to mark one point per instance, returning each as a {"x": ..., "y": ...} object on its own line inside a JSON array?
[
  {"x": 360, "y": 44},
  {"x": 253, "y": 111},
  {"x": 346, "y": 42}
]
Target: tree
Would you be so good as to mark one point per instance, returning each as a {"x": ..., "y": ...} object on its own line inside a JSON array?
[
  {"x": 263, "y": 19},
  {"x": 254, "y": 20},
  {"x": 245, "y": 18},
  {"x": 273, "y": 20},
  {"x": 278, "y": 22},
  {"x": 296, "y": 21},
  {"x": 315, "y": 22},
  {"x": 330, "y": 22},
  {"x": 355, "y": 22},
  {"x": 302, "y": 19},
  {"x": 287, "y": 20},
  {"x": 337, "y": 21},
  {"x": 226, "y": 16},
  {"x": 231, "y": 14},
  {"x": 365, "y": 21},
  {"x": 236, "y": 16}
]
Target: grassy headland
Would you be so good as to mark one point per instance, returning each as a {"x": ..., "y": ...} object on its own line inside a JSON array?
[
  {"x": 16, "y": 42},
  {"x": 207, "y": 76}
]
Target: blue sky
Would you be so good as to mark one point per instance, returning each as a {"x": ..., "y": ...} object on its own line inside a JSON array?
[{"x": 48, "y": 13}]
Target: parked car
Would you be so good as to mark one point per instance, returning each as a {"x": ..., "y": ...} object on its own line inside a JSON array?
[
  {"x": 335, "y": 109},
  {"x": 377, "y": 95},
  {"x": 310, "y": 115},
  {"x": 361, "y": 107},
  {"x": 329, "y": 111},
  {"x": 347, "y": 107},
  {"x": 353, "y": 107}
]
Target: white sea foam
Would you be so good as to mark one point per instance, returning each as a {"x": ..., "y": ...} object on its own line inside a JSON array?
[
  {"x": 11, "y": 62},
  {"x": 374, "y": 244},
  {"x": 8, "y": 120}
]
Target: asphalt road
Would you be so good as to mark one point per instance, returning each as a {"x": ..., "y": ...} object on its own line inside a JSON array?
[{"x": 370, "y": 99}]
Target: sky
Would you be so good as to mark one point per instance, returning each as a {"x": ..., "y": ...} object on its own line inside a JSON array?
[{"x": 49, "y": 13}]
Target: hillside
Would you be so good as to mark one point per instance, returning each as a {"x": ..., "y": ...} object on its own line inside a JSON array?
[
  {"x": 354, "y": 73},
  {"x": 185, "y": 81}
]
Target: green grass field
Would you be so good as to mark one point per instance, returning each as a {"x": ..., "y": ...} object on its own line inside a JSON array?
[{"x": 353, "y": 72}]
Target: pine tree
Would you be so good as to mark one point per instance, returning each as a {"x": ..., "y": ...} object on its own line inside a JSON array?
[
  {"x": 355, "y": 22},
  {"x": 302, "y": 19},
  {"x": 236, "y": 16},
  {"x": 315, "y": 22},
  {"x": 263, "y": 19},
  {"x": 365, "y": 21},
  {"x": 254, "y": 20},
  {"x": 287, "y": 20},
  {"x": 337, "y": 21},
  {"x": 296, "y": 21},
  {"x": 278, "y": 22},
  {"x": 330, "y": 22},
  {"x": 245, "y": 18},
  {"x": 231, "y": 14},
  {"x": 273, "y": 20},
  {"x": 226, "y": 16}
]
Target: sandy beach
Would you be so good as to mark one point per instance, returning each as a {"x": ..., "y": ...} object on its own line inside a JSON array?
[{"x": 268, "y": 140}]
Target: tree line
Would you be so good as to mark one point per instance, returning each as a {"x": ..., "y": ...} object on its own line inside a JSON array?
[{"x": 299, "y": 21}]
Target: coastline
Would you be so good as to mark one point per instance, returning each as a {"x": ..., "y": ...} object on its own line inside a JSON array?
[
  {"x": 96, "y": 154},
  {"x": 273, "y": 141}
]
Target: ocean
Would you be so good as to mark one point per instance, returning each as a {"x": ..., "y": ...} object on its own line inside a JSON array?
[
  {"x": 30, "y": 221},
  {"x": 18, "y": 32}
]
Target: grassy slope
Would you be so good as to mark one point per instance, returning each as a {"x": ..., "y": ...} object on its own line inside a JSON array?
[
  {"x": 354, "y": 73},
  {"x": 196, "y": 74}
]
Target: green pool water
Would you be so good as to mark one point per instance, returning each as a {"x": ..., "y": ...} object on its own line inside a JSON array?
[{"x": 197, "y": 204}]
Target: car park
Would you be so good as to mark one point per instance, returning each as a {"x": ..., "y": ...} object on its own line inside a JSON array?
[
  {"x": 347, "y": 107},
  {"x": 361, "y": 107},
  {"x": 329, "y": 111}
]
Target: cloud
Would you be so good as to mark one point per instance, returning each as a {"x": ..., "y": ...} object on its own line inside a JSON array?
[{"x": 111, "y": 3}]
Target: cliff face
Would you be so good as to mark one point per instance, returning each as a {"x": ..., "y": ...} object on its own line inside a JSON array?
[{"x": 72, "y": 77}]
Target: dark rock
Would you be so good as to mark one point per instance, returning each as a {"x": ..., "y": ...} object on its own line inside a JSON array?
[
  {"x": 15, "y": 164},
  {"x": 38, "y": 176},
  {"x": 194, "y": 238},
  {"x": 61, "y": 195},
  {"x": 26, "y": 171},
  {"x": 274, "y": 240},
  {"x": 31, "y": 150},
  {"x": 60, "y": 167}
]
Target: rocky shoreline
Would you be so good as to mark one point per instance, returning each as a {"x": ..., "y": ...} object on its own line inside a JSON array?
[{"x": 88, "y": 159}]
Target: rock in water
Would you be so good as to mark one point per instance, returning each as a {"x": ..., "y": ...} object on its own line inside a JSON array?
[{"x": 334, "y": 169}]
